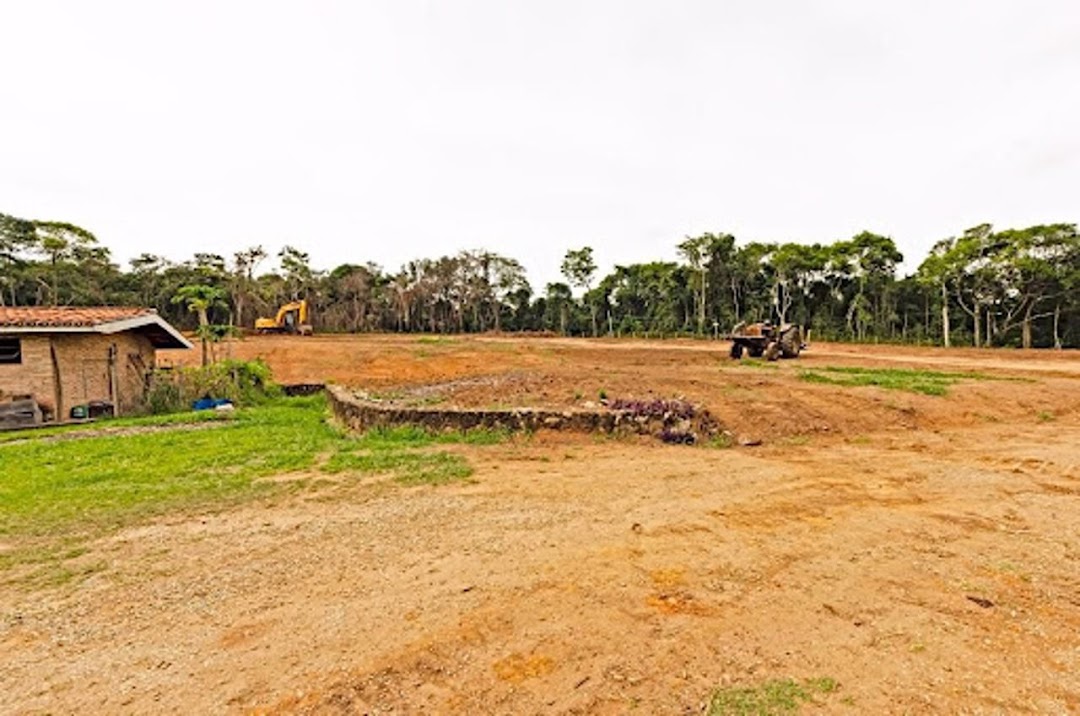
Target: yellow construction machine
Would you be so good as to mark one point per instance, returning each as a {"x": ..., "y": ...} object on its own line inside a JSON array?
[{"x": 290, "y": 318}]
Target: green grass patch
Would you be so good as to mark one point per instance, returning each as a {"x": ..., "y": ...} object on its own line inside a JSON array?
[
  {"x": 57, "y": 493},
  {"x": 90, "y": 428},
  {"x": 404, "y": 453},
  {"x": 755, "y": 363},
  {"x": 409, "y": 468},
  {"x": 721, "y": 441},
  {"x": 414, "y": 436},
  {"x": 927, "y": 382},
  {"x": 50, "y": 487},
  {"x": 773, "y": 698}
]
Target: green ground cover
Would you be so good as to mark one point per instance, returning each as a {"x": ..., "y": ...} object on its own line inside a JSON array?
[
  {"x": 58, "y": 491},
  {"x": 772, "y": 698},
  {"x": 927, "y": 382}
]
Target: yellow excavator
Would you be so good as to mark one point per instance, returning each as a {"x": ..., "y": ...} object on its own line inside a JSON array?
[{"x": 290, "y": 318}]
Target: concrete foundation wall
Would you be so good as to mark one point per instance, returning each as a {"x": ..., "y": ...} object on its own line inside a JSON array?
[{"x": 361, "y": 415}]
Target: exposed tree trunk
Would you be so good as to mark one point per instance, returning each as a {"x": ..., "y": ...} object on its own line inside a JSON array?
[
  {"x": 1025, "y": 326},
  {"x": 976, "y": 318},
  {"x": 239, "y": 302},
  {"x": 926, "y": 314},
  {"x": 56, "y": 282},
  {"x": 781, "y": 301},
  {"x": 945, "y": 328},
  {"x": 701, "y": 302},
  {"x": 1057, "y": 324},
  {"x": 735, "y": 298},
  {"x": 204, "y": 321}
]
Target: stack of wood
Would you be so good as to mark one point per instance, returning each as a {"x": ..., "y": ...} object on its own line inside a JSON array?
[{"x": 19, "y": 411}]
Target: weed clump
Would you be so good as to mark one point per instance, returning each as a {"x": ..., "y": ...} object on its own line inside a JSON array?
[
  {"x": 773, "y": 698},
  {"x": 243, "y": 383}
]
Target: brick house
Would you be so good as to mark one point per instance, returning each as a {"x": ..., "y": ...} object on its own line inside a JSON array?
[{"x": 64, "y": 357}]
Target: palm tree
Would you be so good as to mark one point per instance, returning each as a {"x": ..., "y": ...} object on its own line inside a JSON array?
[{"x": 200, "y": 299}]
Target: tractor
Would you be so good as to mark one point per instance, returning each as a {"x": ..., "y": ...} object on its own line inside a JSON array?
[{"x": 768, "y": 340}]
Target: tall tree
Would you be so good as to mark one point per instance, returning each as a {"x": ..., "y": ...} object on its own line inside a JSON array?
[
  {"x": 558, "y": 300},
  {"x": 65, "y": 246},
  {"x": 16, "y": 236},
  {"x": 578, "y": 267},
  {"x": 200, "y": 299},
  {"x": 242, "y": 280},
  {"x": 1027, "y": 268},
  {"x": 871, "y": 261},
  {"x": 794, "y": 267},
  {"x": 296, "y": 266},
  {"x": 706, "y": 255},
  {"x": 936, "y": 270}
]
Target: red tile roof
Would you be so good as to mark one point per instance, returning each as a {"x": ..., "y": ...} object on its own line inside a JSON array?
[{"x": 66, "y": 316}]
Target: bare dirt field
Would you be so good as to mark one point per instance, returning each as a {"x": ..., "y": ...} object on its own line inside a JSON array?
[{"x": 922, "y": 551}]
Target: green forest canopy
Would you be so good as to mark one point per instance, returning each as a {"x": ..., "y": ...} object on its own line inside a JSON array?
[{"x": 983, "y": 287}]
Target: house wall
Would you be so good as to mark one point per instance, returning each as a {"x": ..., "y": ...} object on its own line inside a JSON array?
[
  {"x": 34, "y": 376},
  {"x": 83, "y": 363}
]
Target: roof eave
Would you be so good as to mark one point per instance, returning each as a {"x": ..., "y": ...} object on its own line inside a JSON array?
[
  {"x": 110, "y": 327},
  {"x": 149, "y": 319}
]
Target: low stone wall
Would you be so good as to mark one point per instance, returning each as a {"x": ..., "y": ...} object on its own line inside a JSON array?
[
  {"x": 296, "y": 389},
  {"x": 358, "y": 413}
]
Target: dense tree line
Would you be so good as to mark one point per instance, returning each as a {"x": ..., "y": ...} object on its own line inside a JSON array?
[{"x": 982, "y": 287}]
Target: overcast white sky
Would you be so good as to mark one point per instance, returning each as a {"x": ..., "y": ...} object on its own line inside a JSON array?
[{"x": 393, "y": 129}]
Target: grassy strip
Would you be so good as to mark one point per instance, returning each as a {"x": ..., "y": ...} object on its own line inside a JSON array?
[
  {"x": 773, "y": 698},
  {"x": 55, "y": 494},
  {"x": 410, "y": 468},
  {"x": 187, "y": 418},
  {"x": 50, "y": 487},
  {"x": 400, "y": 451},
  {"x": 927, "y": 382},
  {"x": 412, "y": 436},
  {"x": 758, "y": 363}
]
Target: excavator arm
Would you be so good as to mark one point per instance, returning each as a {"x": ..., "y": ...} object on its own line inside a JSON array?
[{"x": 292, "y": 317}]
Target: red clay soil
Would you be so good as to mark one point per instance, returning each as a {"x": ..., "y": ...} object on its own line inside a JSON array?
[
  {"x": 756, "y": 400},
  {"x": 922, "y": 551}
]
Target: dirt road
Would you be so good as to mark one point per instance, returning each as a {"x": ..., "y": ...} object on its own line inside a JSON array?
[{"x": 922, "y": 551}]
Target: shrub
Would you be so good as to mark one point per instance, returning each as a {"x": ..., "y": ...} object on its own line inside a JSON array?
[{"x": 240, "y": 382}]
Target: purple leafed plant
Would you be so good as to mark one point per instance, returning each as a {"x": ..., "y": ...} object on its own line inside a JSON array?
[{"x": 677, "y": 437}]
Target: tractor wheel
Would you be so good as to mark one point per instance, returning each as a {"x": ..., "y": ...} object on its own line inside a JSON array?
[
  {"x": 772, "y": 352},
  {"x": 789, "y": 350},
  {"x": 736, "y": 350}
]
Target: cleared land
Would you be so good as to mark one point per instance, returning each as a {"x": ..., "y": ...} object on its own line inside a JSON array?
[{"x": 905, "y": 539}]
